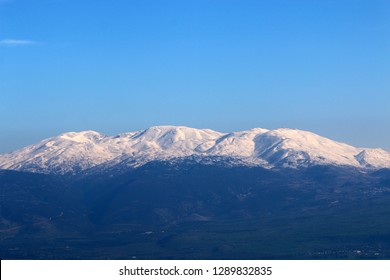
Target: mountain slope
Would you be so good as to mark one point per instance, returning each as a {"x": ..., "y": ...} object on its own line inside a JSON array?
[
  {"x": 187, "y": 210},
  {"x": 74, "y": 152}
]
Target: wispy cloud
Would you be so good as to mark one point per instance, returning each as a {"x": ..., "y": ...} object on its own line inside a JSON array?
[{"x": 16, "y": 42}]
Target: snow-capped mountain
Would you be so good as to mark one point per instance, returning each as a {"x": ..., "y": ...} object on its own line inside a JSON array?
[{"x": 79, "y": 151}]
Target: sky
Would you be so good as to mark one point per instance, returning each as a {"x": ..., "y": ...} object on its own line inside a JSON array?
[{"x": 118, "y": 65}]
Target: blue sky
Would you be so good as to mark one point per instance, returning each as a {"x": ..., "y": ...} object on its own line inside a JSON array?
[{"x": 229, "y": 65}]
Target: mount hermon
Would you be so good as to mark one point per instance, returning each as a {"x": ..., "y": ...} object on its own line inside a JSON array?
[{"x": 74, "y": 152}]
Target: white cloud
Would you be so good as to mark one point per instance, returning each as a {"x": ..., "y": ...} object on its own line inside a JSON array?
[{"x": 15, "y": 42}]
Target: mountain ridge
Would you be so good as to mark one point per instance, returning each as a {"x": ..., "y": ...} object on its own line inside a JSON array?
[{"x": 74, "y": 152}]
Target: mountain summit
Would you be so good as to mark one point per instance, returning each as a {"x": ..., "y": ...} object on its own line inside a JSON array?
[{"x": 75, "y": 152}]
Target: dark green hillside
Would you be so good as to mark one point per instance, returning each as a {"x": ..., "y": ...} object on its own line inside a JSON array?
[{"x": 193, "y": 211}]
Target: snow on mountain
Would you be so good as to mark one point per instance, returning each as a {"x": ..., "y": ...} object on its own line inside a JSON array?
[
  {"x": 292, "y": 147},
  {"x": 178, "y": 141},
  {"x": 373, "y": 158},
  {"x": 78, "y": 151},
  {"x": 239, "y": 144},
  {"x": 68, "y": 152}
]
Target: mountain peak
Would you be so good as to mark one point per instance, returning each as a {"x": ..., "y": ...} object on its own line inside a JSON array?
[
  {"x": 73, "y": 152},
  {"x": 82, "y": 136},
  {"x": 373, "y": 158}
]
